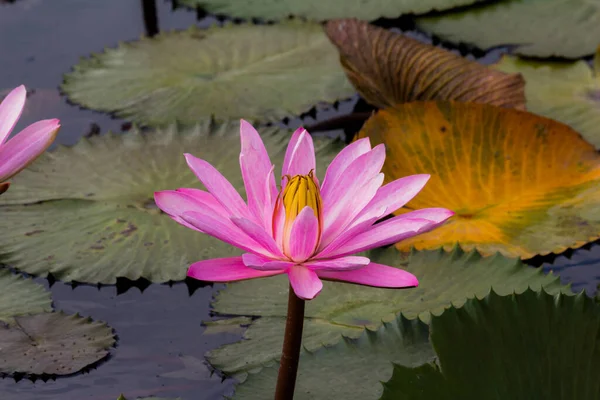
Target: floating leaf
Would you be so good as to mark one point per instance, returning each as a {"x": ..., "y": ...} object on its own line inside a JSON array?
[
  {"x": 323, "y": 10},
  {"x": 520, "y": 184},
  {"x": 388, "y": 68},
  {"x": 568, "y": 92},
  {"x": 52, "y": 343},
  {"x": 352, "y": 369},
  {"x": 540, "y": 28},
  {"x": 444, "y": 279},
  {"x": 21, "y": 296},
  {"x": 87, "y": 213},
  {"x": 256, "y": 72},
  {"x": 527, "y": 346}
]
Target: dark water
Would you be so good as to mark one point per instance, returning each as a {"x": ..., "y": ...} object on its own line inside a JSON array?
[{"x": 161, "y": 343}]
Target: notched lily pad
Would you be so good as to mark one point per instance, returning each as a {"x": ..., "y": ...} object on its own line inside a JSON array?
[
  {"x": 256, "y": 72},
  {"x": 527, "y": 346},
  {"x": 323, "y": 10},
  {"x": 538, "y": 28},
  {"x": 445, "y": 279},
  {"x": 389, "y": 68},
  {"x": 351, "y": 369},
  {"x": 53, "y": 344},
  {"x": 21, "y": 296},
  {"x": 86, "y": 213},
  {"x": 520, "y": 184},
  {"x": 568, "y": 92}
]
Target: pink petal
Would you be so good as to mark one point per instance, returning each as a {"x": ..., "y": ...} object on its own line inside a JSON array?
[
  {"x": 269, "y": 204},
  {"x": 225, "y": 270},
  {"x": 393, "y": 196},
  {"x": 219, "y": 187},
  {"x": 300, "y": 154},
  {"x": 265, "y": 264},
  {"x": 175, "y": 203},
  {"x": 259, "y": 235},
  {"x": 338, "y": 264},
  {"x": 356, "y": 188},
  {"x": 387, "y": 232},
  {"x": 432, "y": 214},
  {"x": 10, "y": 111},
  {"x": 373, "y": 275},
  {"x": 305, "y": 282},
  {"x": 256, "y": 167},
  {"x": 223, "y": 230},
  {"x": 339, "y": 164},
  {"x": 26, "y": 146},
  {"x": 304, "y": 235},
  {"x": 349, "y": 233}
]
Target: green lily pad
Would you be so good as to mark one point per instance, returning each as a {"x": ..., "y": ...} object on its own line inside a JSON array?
[
  {"x": 323, "y": 10},
  {"x": 527, "y": 346},
  {"x": 539, "y": 28},
  {"x": 445, "y": 279},
  {"x": 53, "y": 343},
  {"x": 352, "y": 368},
  {"x": 255, "y": 72},
  {"x": 21, "y": 296},
  {"x": 87, "y": 214},
  {"x": 568, "y": 92}
]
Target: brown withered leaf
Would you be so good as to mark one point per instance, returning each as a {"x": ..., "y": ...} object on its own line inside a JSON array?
[{"x": 388, "y": 68}]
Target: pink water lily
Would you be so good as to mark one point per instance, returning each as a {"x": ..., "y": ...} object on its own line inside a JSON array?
[
  {"x": 306, "y": 230},
  {"x": 21, "y": 150}
]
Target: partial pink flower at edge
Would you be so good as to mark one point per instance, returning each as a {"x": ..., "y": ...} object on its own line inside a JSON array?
[
  {"x": 307, "y": 230},
  {"x": 22, "y": 149}
]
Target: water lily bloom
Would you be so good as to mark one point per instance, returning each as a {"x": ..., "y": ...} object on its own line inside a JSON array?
[
  {"x": 306, "y": 230},
  {"x": 20, "y": 151}
]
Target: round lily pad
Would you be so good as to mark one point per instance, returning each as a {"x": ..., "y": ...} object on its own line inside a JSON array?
[
  {"x": 445, "y": 279},
  {"x": 86, "y": 213},
  {"x": 568, "y": 92},
  {"x": 520, "y": 184},
  {"x": 323, "y": 10},
  {"x": 52, "y": 343},
  {"x": 21, "y": 296},
  {"x": 255, "y": 72},
  {"x": 350, "y": 369},
  {"x": 526, "y": 346},
  {"x": 389, "y": 68},
  {"x": 539, "y": 28}
]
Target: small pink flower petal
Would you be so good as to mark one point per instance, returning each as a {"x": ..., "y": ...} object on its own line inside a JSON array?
[
  {"x": 10, "y": 111},
  {"x": 300, "y": 154},
  {"x": 387, "y": 232},
  {"x": 259, "y": 235},
  {"x": 377, "y": 275},
  {"x": 305, "y": 282},
  {"x": 349, "y": 233},
  {"x": 362, "y": 178},
  {"x": 393, "y": 196},
  {"x": 219, "y": 187},
  {"x": 223, "y": 230},
  {"x": 26, "y": 146},
  {"x": 433, "y": 214},
  {"x": 256, "y": 166},
  {"x": 338, "y": 264},
  {"x": 304, "y": 235},
  {"x": 176, "y": 202},
  {"x": 341, "y": 162},
  {"x": 265, "y": 264},
  {"x": 225, "y": 270}
]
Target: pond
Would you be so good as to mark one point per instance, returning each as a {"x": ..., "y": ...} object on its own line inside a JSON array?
[{"x": 161, "y": 340}]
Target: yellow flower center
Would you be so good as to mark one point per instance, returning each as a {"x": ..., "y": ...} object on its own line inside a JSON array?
[{"x": 300, "y": 191}]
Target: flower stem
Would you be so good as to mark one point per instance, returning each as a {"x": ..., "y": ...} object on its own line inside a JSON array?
[{"x": 288, "y": 366}]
